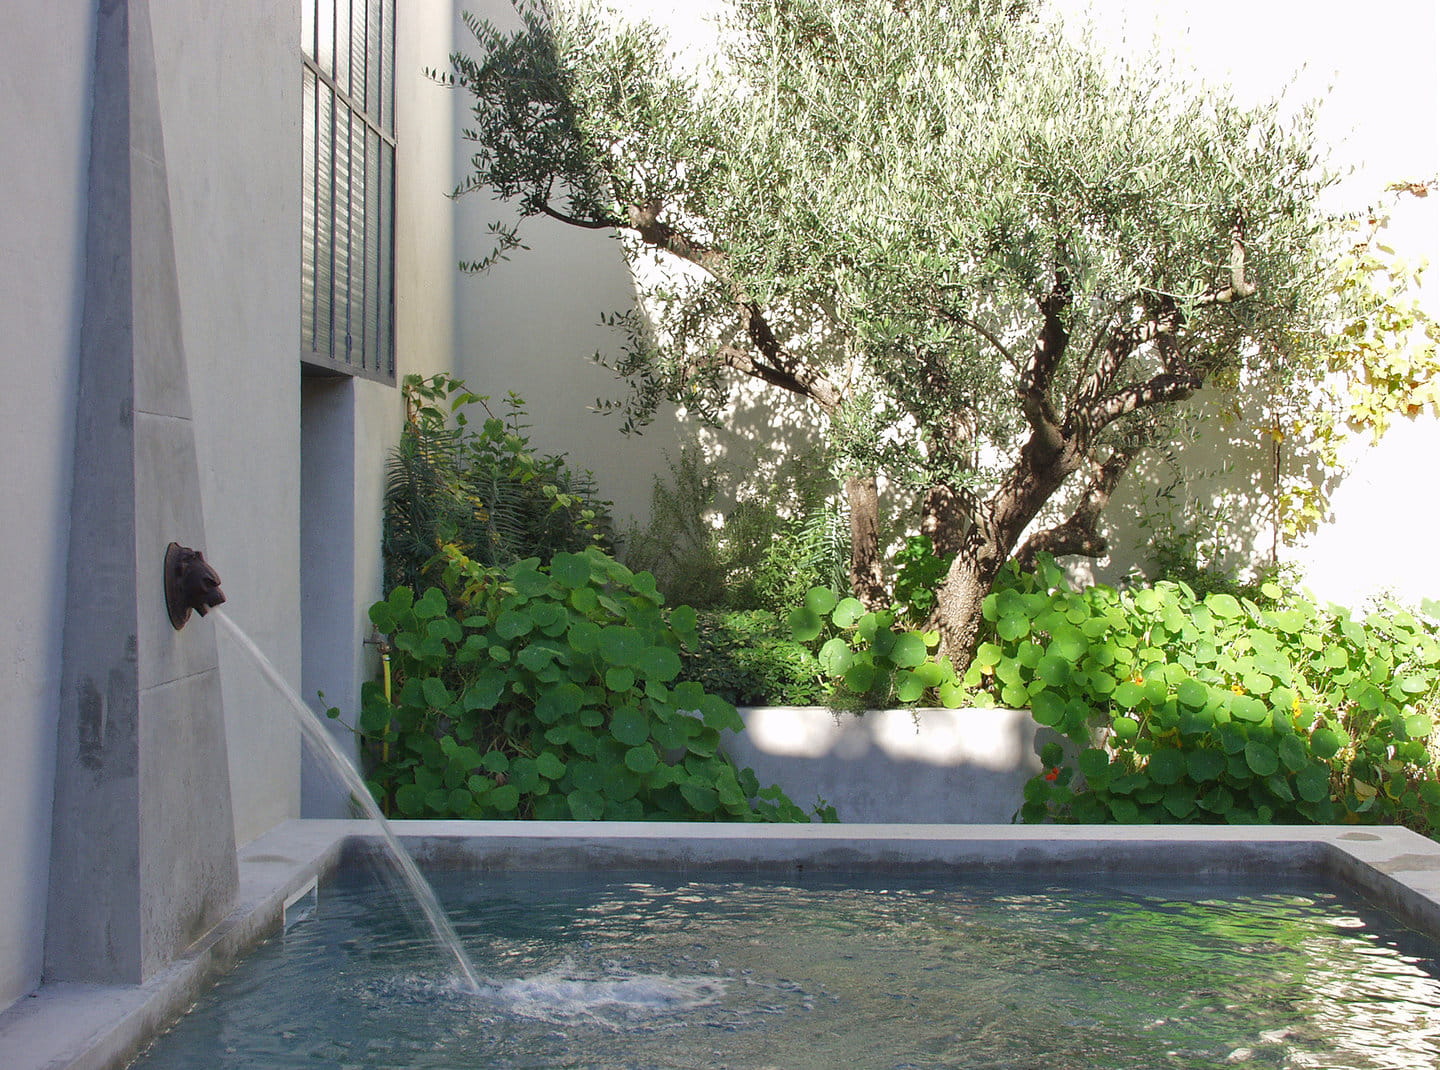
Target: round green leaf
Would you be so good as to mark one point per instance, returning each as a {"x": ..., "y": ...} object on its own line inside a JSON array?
[
  {"x": 641, "y": 759},
  {"x": 1094, "y": 763},
  {"x": 1125, "y": 728},
  {"x": 859, "y": 677},
  {"x": 847, "y": 612},
  {"x": 550, "y": 766},
  {"x": 700, "y": 795},
  {"x": 1261, "y": 758},
  {"x": 1055, "y": 671},
  {"x": 805, "y": 624},
  {"x": 820, "y": 600},
  {"x": 1204, "y": 764},
  {"x": 505, "y": 798},
  {"x": 570, "y": 570},
  {"x": 1013, "y": 627},
  {"x": 1313, "y": 783},
  {"x": 1249, "y": 708},
  {"x": 620, "y": 645},
  {"x": 1128, "y": 694},
  {"x": 836, "y": 657},
  {"x": 1224, "y": 606},
  {"x": 630, "y": 726},
  {"x": 436, "y": 693},
  {"x": 586, "y": 805},
  {"x": 909, "y": 650},
  {"x": 1192, "y": 693},
  {"x": 619, "y": 678},
  {"x": 908, "y": 686},
  {"x": 1326, "y": 742},
  {"x": 1418, "y": 726},
  {"x": 432, "y": 604},
  {"x": 660, "y": 663},
  {"x": 1166, "y": 766},
  {"x": 513, "y": 623},
  {"x": 1047, "y": 708},
  {"x": 562, "y": 700}
]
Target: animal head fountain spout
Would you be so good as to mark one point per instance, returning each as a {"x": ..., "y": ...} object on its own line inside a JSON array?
[{"x": 190, "y": 583}]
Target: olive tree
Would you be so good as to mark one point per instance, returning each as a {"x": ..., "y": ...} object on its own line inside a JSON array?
[{"x": 994, "y": 259}]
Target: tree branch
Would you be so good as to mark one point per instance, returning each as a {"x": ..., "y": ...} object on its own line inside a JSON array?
[
  {"x": 1078, "y": 533},
  {"x": 1240, "y": 287},
  {"x": 1160, "y": 389},
  {"x": 1033, "y": 386},
  {"x": 576, "y": 221},
  {"x": 1166, "y": 320},
  {"x": 803, "y": 380}
]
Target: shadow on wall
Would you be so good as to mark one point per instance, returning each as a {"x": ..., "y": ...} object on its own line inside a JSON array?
[
  {"x": 1207, "y": 497},
  {"x": 921, "y": 766}
]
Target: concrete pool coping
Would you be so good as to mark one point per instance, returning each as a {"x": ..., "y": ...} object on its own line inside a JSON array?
[{"x": 99, "y": 1027}]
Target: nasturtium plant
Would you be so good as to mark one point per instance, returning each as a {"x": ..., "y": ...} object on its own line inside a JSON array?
[
  {"x": 870, "y": 658},
  {"x": 553, "y": 692},
  {"x": 1175, "y": 707},
  {"x": 1166, "y": 706}
]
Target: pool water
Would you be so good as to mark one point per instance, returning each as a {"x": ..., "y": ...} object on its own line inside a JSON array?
[{"x": 619, "y": 970}]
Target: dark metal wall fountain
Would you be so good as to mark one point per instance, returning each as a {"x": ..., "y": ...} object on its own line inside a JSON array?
[
  {"x": 142, "y": 859},
  {"x": 190, "y": 584}
]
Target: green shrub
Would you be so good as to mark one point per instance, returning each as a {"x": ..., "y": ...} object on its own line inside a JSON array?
[
  {"x": 869, "y": 660},
  {"x": 480, "y": 487},
  {"x": 1177, "y": 707},
  {"x": 764, "y": 552},
  {"x": 1189, "y": 709},
  {"x": 749, "y": 658},
  {"x": 549, "y": 691}
]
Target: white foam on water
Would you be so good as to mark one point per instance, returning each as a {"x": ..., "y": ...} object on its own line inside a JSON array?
[{"x": 566, "y": 993}]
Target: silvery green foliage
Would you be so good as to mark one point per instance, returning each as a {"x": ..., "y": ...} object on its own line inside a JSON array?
[{"x": 992, "y": 255}]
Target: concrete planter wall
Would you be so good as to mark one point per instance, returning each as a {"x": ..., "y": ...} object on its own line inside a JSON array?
[{"x": 931, "y": 766}]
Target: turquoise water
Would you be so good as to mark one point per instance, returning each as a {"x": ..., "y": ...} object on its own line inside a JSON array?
[{"x": 717, "y": 971}]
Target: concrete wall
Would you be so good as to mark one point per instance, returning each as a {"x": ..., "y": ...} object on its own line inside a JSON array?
[
  {"x": 230, "y": 105},
  {"x": 924, "y": 766},
  {"x": 229, "y": 91},
  {"x": 44, "y": 124},
  {"x": 349, "y": 427},
  {"x": 531, "y": 324}
]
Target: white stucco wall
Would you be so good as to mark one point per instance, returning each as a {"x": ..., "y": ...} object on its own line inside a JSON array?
[
  {"x": 530, "y": 325},
  {"x": 44, "y": 124},
  {"x": 1378, "y": 78}
]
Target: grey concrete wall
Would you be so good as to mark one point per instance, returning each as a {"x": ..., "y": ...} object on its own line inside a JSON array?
[
  {"x": 45, "y": 55},
  {"x": 230, "y": 103},
  {"x": 531, "y": 324},
  {"x": 925, "y": 766}
]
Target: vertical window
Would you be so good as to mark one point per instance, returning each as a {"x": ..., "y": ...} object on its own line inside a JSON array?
[{"x": 348, "y": 216}]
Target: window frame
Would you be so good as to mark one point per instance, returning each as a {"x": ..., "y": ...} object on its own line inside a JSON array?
[{"x": 348, "y": 169}]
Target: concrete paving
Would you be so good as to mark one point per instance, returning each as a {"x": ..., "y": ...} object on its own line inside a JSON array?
[{"x": 99, "y": 1027}]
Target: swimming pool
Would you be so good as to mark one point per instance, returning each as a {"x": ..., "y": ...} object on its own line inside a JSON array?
[
  {"x": 96, "y": 1028},
  {"x": 857, "y": 970}
]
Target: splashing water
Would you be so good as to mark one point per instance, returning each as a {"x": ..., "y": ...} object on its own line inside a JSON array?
[{"x": 323, "y": 744}]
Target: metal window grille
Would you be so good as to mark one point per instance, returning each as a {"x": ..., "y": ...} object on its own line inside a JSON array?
[{"x": 348, "y": 215}]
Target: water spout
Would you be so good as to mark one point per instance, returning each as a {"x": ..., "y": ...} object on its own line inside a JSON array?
[
  {"x": 315, "y": 733},
  {"x": 190, "y": 584}
]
